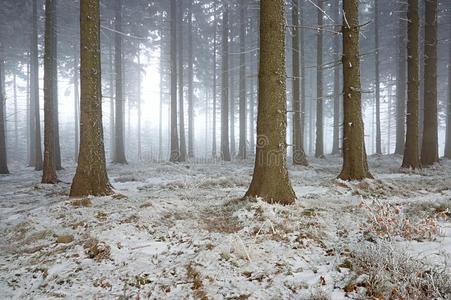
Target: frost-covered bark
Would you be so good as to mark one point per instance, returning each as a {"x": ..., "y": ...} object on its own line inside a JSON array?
[
  {"x": 91, "y": 176},
  {"x": 429, "y": 149},
  {"x": 355, "y": 165},
  {"x": 411, "y": 155},
  {"x": 270, "y": 179}
]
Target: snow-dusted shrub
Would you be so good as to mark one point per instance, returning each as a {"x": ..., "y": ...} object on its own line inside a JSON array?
[{"x": 384, "y": 271}]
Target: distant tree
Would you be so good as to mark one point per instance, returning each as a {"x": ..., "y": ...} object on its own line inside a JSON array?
[
  {"x": 319, "y": 146},
  {"x": 225, "y": 148},
  {"x": 49, "y": 167},
  {"x": 299, "y": 157},
  {"x": 355, "y": 165},
  {"x": 429, "y": 149},
  {"x": 401, "y": 80},
  {"x": 270, "y": 179},
  {"x": 119, "y": 149},
  {"x": 91, "y": 176},
  {"x": 411, "y": 156}
]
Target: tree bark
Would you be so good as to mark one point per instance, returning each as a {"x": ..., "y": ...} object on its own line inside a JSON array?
[
  {"x": 214, "y": 83},
  {"x": 448, "y": 119},
  {"x": 76, "y": 106},
  {"x": 3, "y": 156},
  {"x": 429, "y": 149},
  {"x": 91, "y": 176},
  {"x": 119, "y": 153},
  {"x": 16, "y": 121},
  {"x": 182, "y": 135},
  {"x": 175, "y": 149},
  {"x": 270, "y": 179},
  {"x": 319, "y": 146},
  {"x": 378, "y": 101},
  {"x": 242, "y": 153},
  {"x": 225, "y": 148},
  {"x": 401, "y": 82},
  {"x": 49, "y": 169},
  {"x": 355, "y": 165},
  {"x": 299, "y": 157},
  {"x": 336, "y": 132},
  {"x": 411, "y": 156},
  {"x": 112, "y": 101},
  {"x": 56, "y": 134},
  {"x": 138, "y": 99},
  {"x": 190, "y": 82}
]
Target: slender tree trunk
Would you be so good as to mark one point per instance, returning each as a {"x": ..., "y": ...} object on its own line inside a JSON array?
[
  {"x": 242, "y": 154},
  {"x": 299, "y": 157},
  {"x": 429, "y": 149},
  {"x": 302, "y": 74},
  {"x": 411, "y": 156},
  {"x": 76, "y": 105},
  {"x": 112, "y": 102},
  {"x": 30, "y": 146},
  {"x": 175, "y": 149},
  {"x": 3, "y": 156},
  {"x": 56, "y": 134},
  {"x": 91, "y": 177},
  {"x": 378, "y": 101},
  {"x": 16, "y": 121},
  {"x": 319, "y": 146},
  {"x": 336, "y": 132},
  {"x": 49, "y": 168},
  {"x": 389, "y": 117},
  {"x": 225, "y": 148},
  {"x": 214, "y": 84},
  {"x": 34, "y": 91},
  {"x": 138, "y": 98},
  {"x": 190, "y": 82},
  {"x": 119, "y": 153},
  {"x": 448, "y": 118},
  {"x": 182, "y": 157},
  {"x": 355, "y": 165},
  {"x": 232, "y": 91},
  {"x": 160, "y": 118},
  {"x": 270, "y": 180},
  {"x": 401, "y": 81}
]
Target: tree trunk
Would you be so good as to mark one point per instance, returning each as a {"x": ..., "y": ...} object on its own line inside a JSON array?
[
  {"x": 175, "y": 149},
  {"x": 448, "y": 119},
  {"x": 411, "y": 156},
  {"x": 302, "y": 74},
  {"x": 299, "y": 157},
  {"x": 91, "y": 177},
  {"x": 401, "y": 82},
  {"x": 214, "y": 84},
  {"x": 49, "y": 168},
  {"x": 138, "y": 99},
  {"x": 319, "y": 146},
  {"x": 182, "y": 157},
  {"x": 76, "y": 105},
  {"x": 270, "y": 180},
  {"x": 30, "y": 146},
  {"x": 119, "y": 153},
  {"x": 355, "y": 165},
  {"x": 112, "y": 101},
  {"x": 378, "y": 101},
  {"x": 190, "y": 82},
  {"x": 56, "y": 134},
  {"x": 16, "y": 121},
  {"x": 336, "y": 132},
  {"x": 225, "y": 148},
  {"x": 160, "y": 118},
  {"x": 429, "y": 149},
  {"x": 242, "y": 85},
  {"x": 3, "y": 156}
]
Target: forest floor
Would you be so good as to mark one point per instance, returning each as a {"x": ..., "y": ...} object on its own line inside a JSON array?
[{"x": 183, "y": 232}]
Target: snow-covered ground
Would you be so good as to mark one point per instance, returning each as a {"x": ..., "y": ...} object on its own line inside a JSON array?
[{"x": 183, "y": 232}]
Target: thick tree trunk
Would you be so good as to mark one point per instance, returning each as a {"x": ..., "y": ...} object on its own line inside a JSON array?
[
  {"x": 225, "y": 148},
  {"x": 181, "y": 87},
  {"x": 411, "y": 156},
  {"x": 49, "y": 168},
  {"x": 119, "y": 153},
  {"x": 336, "y": 133},
  {"x": 175, "y": 149},
  {"x": 448, "y": 115},
  {"x": 378, "y": 101},
  {"x": 190, "y": 82},
  {"x": 299, "y": 157},
  {"x": 242, "y": 153},
  {"x": 270, "y": 180},
  {"x": 401, "y": 81},
  {"x": 319, "y": 146},
  {"x": 91, "y": 177},
  {"x": 429, "y": 149},
  {"x": 355, "y": 165},
  {"x": 76, "y": 106}
]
